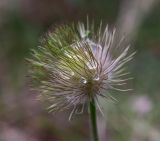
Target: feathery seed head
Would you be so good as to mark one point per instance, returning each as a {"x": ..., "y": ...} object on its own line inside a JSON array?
[{"x": 76, "y": 63}]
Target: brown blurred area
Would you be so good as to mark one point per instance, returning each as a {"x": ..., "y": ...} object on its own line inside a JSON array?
[{"x": 134, "y": 118}]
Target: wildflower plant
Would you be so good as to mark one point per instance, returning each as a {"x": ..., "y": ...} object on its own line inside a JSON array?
[{"x": 76, "y": 64}]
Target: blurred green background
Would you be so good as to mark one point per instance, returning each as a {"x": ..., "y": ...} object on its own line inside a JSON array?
[{"x": 136, "y": 115}]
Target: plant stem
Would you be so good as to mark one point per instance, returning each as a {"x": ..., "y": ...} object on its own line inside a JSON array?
[{"x": 93, "y": 121}]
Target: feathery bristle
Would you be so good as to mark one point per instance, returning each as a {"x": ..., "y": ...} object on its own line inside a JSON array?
[{"x": 74, "y": 64}]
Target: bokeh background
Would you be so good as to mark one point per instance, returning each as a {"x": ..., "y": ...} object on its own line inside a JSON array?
[{"x": 136, "y": 115}]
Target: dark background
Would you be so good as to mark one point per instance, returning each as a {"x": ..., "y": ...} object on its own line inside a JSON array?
[{"x": 136, "y": 117}]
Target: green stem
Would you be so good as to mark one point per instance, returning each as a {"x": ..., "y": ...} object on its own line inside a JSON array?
[{"x": 93, "y": 123}]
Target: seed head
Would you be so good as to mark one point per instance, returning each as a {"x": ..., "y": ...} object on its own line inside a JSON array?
[{"x": 76, "y": 63}]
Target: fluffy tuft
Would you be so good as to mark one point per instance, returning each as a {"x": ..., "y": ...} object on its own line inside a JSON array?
[{"x": 76, "y": 63}]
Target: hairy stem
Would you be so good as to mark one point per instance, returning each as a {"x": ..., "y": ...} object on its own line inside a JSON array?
[{"x": 93, "y": 121}]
